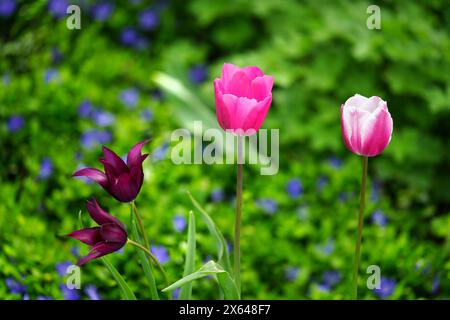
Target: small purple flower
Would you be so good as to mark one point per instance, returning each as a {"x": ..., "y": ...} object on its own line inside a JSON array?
[
  {"x": 376, "y": 189},
  {"x": 322, "y": 182},
  {"x": 69, "y": 294},
  {"x": 92, "y": 138},
  {"x": 268, "y": 205},
  {"x": 161, "y": 254},
  {"x": 7, "y": 7},
  {"x": 198, "y": 73},
  {"x": 102, "y": 11},
  {"x": 387, "y": 287},
  {"x": 26, "y": 296},
  {"x": 129, "y": 97},
  {"x": 294, "y": 188},
  {"x": 217, "y": 195},
  {"x": 129, "y": 37},
  {"x": 57, "y": 56},
  {"x": 61, "y": 268},
  {"x": 85, "y": 109},
  {"x": 15, "y": 123},
  {"x": 58, "y": 8},
  {"x": 75, "y": 251},
  {"x": 46, "y": 168},
  {"x": 322, "y": 287},
  {"x": 326, "y": 249},
  {"x": 291, "y": 273},
  {"x": 435, "y": 286},
  {"x": 379, "y": 218},
  {"x": 149, "y": 19},
  {"x": 44, "y": 298},
  {"x": 15, "y": 287},
  {"x": 335, "y": 162},
  {"x": 331, "y": 277},
  {"x": 176, "y": 294},
  {"x": 160, "y": 153},
  {"x": 51, "y": 75},
  {"x": 92, "y": 292},
  {"x": 147, "y": 115},
  {"x": 103, "y": 118},
  {"x": 179, "y": 223}
]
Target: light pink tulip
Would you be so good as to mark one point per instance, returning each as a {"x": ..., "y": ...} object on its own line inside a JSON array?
[
  {"x": 366, "y": 125},
  {"x": 243, "y": 97}
]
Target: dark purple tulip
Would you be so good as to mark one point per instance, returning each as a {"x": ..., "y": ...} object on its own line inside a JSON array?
[
  {"x": 122, "y": 180},
  {"x": 108, "y": 237}
]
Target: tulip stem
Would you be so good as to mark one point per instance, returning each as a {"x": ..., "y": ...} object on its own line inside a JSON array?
[
  {"x": 141, "y": 225},
  {"x": 150, "y": 254},
  {"x": 362, "y": 200},
  {"x": 237, "y": 225}
]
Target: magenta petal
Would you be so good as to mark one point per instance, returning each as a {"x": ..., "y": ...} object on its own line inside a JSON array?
[
  {"x": 252, "y": 72},
  {"x": 125, "y": 189},
  {"x": 94, "y": 174},
  {"x": 376, "y": 133},
  {"x": 99, "y": 215},
  {"x": 240, "y": 85},
  {"x": 114, "y": 160},
  {"x": 134, "y": 156},
  {"x": 262, "y": 87},
  {"x": 90, "y": 236},
  {"x": 262, "y": 109},
  {"x": 99, "y": 250},
  {"x": 113, "y": 233},
  {"x": 228, "y": 71}
]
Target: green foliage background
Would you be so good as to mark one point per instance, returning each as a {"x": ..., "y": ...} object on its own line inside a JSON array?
[{"x": 320, "y": 53}]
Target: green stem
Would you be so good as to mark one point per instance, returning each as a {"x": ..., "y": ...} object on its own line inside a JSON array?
[
  {"x": 362, "y": 201},
  {"x": 150, "y": 254},
  {"x": 126, "y": 291},
  {"x": 141, "y": 225},
  {"x": 237, "y": 225}
]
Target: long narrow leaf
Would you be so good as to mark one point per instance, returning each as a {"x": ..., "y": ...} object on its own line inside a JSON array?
[
  {"x": 146, "y": 266},
  {"x": 226, "y": 283},
  {"x": 186, "y": 290},
  {"x": 126, "y": 291},
  {"x": 223, "y": 255}
]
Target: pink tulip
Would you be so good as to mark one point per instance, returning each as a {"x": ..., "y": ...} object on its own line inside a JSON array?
[
  {"x": 366, "y": 125},
  {"x": 243, "y": 98}
]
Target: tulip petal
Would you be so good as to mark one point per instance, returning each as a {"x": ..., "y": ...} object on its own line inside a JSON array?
[
  {"x": 360, "y": 102},
  {"x": 113, "y": 233},
  {"x": 353, "y": 120},
  {"x": 376, "y": 133},
  {"x": 228, "y": 71},
  {"x": 134, "y": 156},
  {"x": 125, "y": 189},
  {"x": 99, "y": 215},
  {"x": 252, "y": 72},
  {"x": 117, "y": 164},
  {"x": 260, "y": 113},
  {"x": 262, "y": 87},
  {"x": 99, "y": 250},
  {"x": 89, "y": 236},
  {"x": 240, "y": 85},
  {"x": 222, "y": 114},
  {"x": 94, "y": 174}
]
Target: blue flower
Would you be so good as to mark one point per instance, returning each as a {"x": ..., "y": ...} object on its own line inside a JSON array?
[
  {"x": 75, "y": 251},
  {"x": 131, "y": 38},
  {"x": 61, "y": 268},
  {"x": 176, "y": 294},
  {"x": 335, "y": 162},
  {"x": 435, "y": 286},
  {"x": 147, "y": 115},
  {"x": 15, "y": 123},
  {"x": 58, "y": 8},
  {"x": 7, "y": 7},
  {"x": 51, "y": 75},
  {"x": 69, "y": 294},
  {"x": 331, "y": 277},
  {"x": 291, "y": 273},
  {"x": 376, "y": 189},
  {"x": 161, "y": 254},
  {"x": 198, "y": 73},
  {"x": 322, "y": 287},
  {"x": 322, "y": 182},
  {"x": 379, "y": 218},
  {"x": 85, "y": 109},
  {"x": 92, "y": 138},
  {"x": 15, "y": 287},
  {"x": 387, "y": 287},
  {"x": 44, "y": 298},
  {"x": 26, "y": 296},
  {"x": 160, "y": 152},
  {"x": 326, "y": 249},
  {"x": 294, "y": 188},
  {"x": 179, "y": 223},
  {"x": 57, "y": 56},
  {"x": 103, "y": 118},
  {"x": 129, "y": 97},
  {"x": 102, "y": 11},
  {"x": 268, "y": 205},
  {"x": 46, "y": 168},
  {"x": 149, "y": 19},
  {"x": 92, "y": 292},
  {"x": 217, "y": 195}
]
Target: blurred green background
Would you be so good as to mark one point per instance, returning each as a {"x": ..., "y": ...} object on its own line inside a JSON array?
[{"x": 65, "y": 92}]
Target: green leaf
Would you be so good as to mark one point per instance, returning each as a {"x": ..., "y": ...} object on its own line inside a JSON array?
[
  {"x": 226, "y": 283},
  {"x": 186, "y": 290},
  {"x": 126, "y": 291},
  {"x": 146, "y": 266},
  {"x": 223, "y": 255}
]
